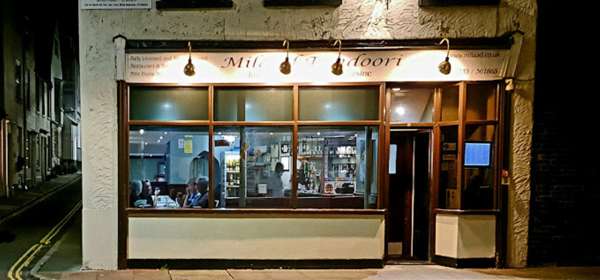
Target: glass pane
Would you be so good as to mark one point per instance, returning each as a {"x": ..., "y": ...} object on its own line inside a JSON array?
[
  {"x": 168, "y": 167},
  {"x": 449, "y": 110},
  {"x": 337, "y": 167},
  {"x": 448, "y": 195},
  {"x": 478, "y": 179},
  {"x": 412, "y": 105},
  {"x": 168, "y": 104},
  {"x": 481, "y": 102},
  {"x": 480, "y": 132},
  {"x": 253, "y": 104},
  {"x": 259, "y": 176},
  {"x": 339, "y": 104}
]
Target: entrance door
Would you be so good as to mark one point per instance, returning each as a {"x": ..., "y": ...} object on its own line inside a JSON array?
[{"x": 408, "y": 220}]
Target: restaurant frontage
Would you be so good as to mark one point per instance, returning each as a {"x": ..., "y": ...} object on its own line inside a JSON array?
[
  {"x": 212, "y": 139},
  {"x": 266, "y": 157}
]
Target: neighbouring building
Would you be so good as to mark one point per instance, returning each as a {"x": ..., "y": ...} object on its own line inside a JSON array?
[
  {"x": 39, "y": 65},
  {"x": 283, "y": 133}
]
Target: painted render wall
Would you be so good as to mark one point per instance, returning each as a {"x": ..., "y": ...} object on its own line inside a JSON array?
[{"x": 249, "y": 20}]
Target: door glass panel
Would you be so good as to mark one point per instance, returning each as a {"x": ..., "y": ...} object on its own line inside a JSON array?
[{"x": 411, "y": 105}]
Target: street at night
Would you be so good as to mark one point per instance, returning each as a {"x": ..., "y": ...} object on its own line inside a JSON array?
[{"x": 30, "y": 227}]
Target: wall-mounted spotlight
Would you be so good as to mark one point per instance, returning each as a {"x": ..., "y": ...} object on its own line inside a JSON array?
[
  {"x": 189, "y": 67},
  {"x": 337, "y": 68},
  {"x": 445, "y": 66},
  {"x": 285, "y": 67}
]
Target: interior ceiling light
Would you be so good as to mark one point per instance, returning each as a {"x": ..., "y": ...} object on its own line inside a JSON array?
[
  {"x": 189, "y": 67},
  {"x": 445, "y": 66},
  {"x": 337, "y": 68},
  {"x": 285, "y": 67}
]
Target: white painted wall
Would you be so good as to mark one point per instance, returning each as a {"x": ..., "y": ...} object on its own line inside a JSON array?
[
  {"x": 256, "y": 238},
  {"x": 249, "y": 20},
  {"x": 465, "y": 236},
  {"x": 446, "y": 235}
]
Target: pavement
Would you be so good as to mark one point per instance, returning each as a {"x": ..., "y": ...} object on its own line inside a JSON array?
[{"x": 402, "y": 272}]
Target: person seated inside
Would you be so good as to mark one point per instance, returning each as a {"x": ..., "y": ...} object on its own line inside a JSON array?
[
  {"x": 197, "y": 193},
  {"x": 141, "y": 194},
  {"x": 191, "y": 193},
  {"x": 202, "y": 184}
]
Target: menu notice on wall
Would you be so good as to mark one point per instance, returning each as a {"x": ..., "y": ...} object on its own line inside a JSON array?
[{"x": 115, "y": 4}]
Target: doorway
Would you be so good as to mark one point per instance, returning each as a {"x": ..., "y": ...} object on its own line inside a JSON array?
[{"x": 409, "y": 184}]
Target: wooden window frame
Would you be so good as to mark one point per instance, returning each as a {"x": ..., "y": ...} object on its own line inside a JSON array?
[
  {"x": 211, "y": 124},
  {"x": 383, "y": 123}
]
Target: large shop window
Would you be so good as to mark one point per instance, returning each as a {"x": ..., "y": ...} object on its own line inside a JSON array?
[
  {"x": 337, "y": 167},
  {"x": 339, "y": 103},
  {"x": 168, "y": 167},
  {"x": 253, "y": 153},
  {"x": 256, "y": 166}
]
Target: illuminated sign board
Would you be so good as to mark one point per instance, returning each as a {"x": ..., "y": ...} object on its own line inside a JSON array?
[{"x": 315, "y": 67}]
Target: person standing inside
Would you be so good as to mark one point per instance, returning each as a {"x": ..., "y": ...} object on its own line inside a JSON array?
[{"x": 275, "y": 184}]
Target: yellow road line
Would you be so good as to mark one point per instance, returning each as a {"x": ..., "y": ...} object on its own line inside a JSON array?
[{"x": 14, "y": 273}]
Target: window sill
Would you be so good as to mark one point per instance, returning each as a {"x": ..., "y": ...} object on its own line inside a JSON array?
[{"x": 194, "y": 212}]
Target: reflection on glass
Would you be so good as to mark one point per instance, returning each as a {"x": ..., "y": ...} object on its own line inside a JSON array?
[
  {"x": 481, "y": 101},
  {"x": 448, "y": 195},
  {"x": 411, "y": 105},
  {"x": 449, "y": 110},
  {"x": 167, "y": 104},
  {"x": 337, "y": 167},
  {"x": 168, "y": 167},
  {"x": 253, "y": 104},
  {"x": 256, "y": 173},
  {"x": 339, "y": 103}
]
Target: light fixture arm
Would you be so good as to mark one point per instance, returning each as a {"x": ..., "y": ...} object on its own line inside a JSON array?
[
  {"x": 447, "y": 41},
  {"x": 338, "y": 42},
  {"x": 337, "y": 68},
  {"x": 286, "y": 44},
  {"x": 445, "y": 67},
  {"x": 189, "y": 67}
]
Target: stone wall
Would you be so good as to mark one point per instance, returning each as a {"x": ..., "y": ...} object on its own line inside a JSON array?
[{"x": 249, "y": 20}]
